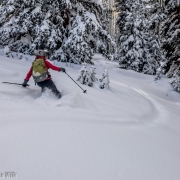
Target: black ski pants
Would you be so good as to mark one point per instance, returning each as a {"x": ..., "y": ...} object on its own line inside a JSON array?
[{"x": 50, "y": 85}]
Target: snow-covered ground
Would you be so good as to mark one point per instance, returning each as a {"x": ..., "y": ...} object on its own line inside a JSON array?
[{"x": 130, "y": 131}]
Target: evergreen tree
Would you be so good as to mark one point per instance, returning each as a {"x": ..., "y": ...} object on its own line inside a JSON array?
[
  {"x": 92, "y": 74},
  {"x": 31, "y": 24},
  {"x": 83, "y": 74},
  {"x": 176, "y": 78},
  {"x": 72, "y": 30},
  {"x": 170, "y": 37},
  {"x": 104, "y": 80},
  {"x": 87, "y": 77},
  {"x": 138, "y": 47},
  {"x": 170, "y": 33},
  {"x": 154, "y": 15},
  {"x": 172, "y": 70}
]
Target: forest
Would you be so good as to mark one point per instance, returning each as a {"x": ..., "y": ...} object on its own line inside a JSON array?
[{"x": 146, "y": 36}]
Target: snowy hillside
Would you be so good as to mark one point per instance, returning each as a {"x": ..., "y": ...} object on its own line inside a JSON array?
[{"x": 128, "y": 132}]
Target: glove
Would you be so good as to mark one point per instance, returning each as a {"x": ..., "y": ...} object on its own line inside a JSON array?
[
  {"x": 24, "y": 84},
  {"x": 63, "y": 70}
]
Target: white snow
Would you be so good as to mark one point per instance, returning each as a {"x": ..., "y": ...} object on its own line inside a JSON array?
[
  {"x": 26, "y": 39},
  {"x": 37, "y": 9},
  {"x": 45, "y": 26},
  {"x": 127, "y": 132},
  {"x": 6, "y": 49}
]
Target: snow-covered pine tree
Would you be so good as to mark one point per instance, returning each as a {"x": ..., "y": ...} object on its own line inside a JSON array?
[
  {"x": 87, "y": 77},
  {"x": 154, "y": 15},
  {"x": 172, "y": 70},
  {"x": 104, "y": 79},
  {"x": 92, "y": 74},
  {"x": 170, "y": 32},
  {"x": 170, "y": 38},
  {"x": 138, "y": 47},
  {"x": 87, "y": 33},
  {"x": 83, "y": 74},
  {"x": 88, "y": 80},
  {"x": 72, "y": 30},
  {"x": 26, "y": 25},
  {"x": 90, "y": 77},
  {"x": 176, "y": 78}
]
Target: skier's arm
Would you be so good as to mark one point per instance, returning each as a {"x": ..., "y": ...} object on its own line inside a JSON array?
[
  {"x": 51, "y": 66},
  {"x": 29, "y": 74}
]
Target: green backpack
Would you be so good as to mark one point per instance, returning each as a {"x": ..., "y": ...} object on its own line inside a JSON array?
[{"x": 39, "y": 70}]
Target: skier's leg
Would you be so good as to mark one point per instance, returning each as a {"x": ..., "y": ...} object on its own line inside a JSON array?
[
  {"x": 50, "y": 85},
  {"x": 42, "y": 85},
  {"x": 54, "y": 89}
]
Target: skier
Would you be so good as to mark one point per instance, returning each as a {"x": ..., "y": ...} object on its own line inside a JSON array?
[{"x": 39, "y": 71}]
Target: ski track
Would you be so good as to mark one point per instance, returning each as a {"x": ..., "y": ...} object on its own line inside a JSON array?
[
  {"x": 153, "y": 106},
  {"x": 156, "y": 111}
]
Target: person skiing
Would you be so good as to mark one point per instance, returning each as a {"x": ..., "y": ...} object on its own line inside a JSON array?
[{"x": 41, "y": 76}]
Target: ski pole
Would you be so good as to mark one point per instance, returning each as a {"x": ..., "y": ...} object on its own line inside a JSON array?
[
  {"x": 14, "y": 83},
  {"x": 84, "y": 91}
]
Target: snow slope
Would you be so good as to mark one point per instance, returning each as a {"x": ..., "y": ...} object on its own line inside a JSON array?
[{"x": 128, "y": 132}]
